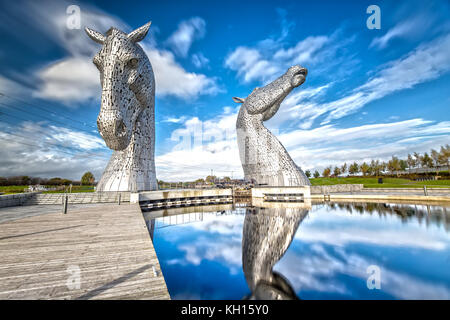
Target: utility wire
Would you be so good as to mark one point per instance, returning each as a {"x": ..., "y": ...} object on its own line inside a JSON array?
[
  {"x": 39, "y": 129},
  {"x": 90, "y": 155},
  {"x": 44, "y": 142},
  {"x": 52, "y": 112},
  {"x": 41, "y": 116}
]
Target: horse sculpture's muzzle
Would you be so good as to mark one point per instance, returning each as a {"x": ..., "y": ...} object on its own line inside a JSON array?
[
  {"x": 298, "y": 75},
  {"x": 113, "y": 130}
]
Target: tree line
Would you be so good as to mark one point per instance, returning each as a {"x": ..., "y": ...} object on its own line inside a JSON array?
[
  {"x": 86, "y": 179},
  {"x": 415, "y": 160},
  {"x": 209, "y": 180}
]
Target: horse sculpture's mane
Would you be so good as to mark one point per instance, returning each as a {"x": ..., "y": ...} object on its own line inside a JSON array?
[{"x": 126, "y": 120}]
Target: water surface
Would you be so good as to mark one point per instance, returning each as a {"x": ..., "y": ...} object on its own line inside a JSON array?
[{"x": 289, "y": 252}]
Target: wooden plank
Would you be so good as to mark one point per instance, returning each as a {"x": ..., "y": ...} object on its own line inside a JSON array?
[{"x": 109, "y": 244}]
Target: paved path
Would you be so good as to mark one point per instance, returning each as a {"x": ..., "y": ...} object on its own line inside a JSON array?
[{"x": 109, "y": 245}]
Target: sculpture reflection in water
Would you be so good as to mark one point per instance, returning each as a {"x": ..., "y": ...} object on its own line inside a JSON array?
[{"x": 267, "y": 234}]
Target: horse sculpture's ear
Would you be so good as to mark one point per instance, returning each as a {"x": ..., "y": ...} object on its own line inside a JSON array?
[
  {"x": 238, "y": 100},
  {"x": 140, "y": 33},
  {"x": 94, "y": 35}
]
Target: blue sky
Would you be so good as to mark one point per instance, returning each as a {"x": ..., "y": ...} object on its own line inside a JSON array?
[{"x": 369, "y": 93}]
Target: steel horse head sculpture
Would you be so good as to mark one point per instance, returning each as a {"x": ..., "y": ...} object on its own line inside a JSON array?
[
  {"x": 127, "y": 115},
  {"x": 264, "y": 159}
]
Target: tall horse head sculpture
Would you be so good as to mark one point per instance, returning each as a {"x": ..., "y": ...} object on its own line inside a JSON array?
[
  {"x": 127, "y": 115},
  {"x": 264, "y": 159}
]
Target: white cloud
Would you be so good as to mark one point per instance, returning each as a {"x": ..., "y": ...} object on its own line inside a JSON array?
[
  {"x": 211, "y": 144},
  {"x": 397, "y": 31},
  {"x": 319, "y": 271},
  {"x": 9, "y": 86},
  {"x": 328, "y": 238},
  {"x": 249, "y": 64},
  {"x": 188, "y": 30},
  {"x": 271, "y": 57},
  {"x": 410, "y": 28},
  {"x": 303, "y": 51},
  {"x": 299, "y": 105},
  {"x": 172, "y": 79},
  {"x": 74, "y": 78},
  {"x": 333, "y": 146},
  {"x": 199, "y": 60},
  {"x": 49, "y": 151},
  {"x": 226, "y": 229},
  {"x": 200, "y": 147},
  {"x": 77, "y": 139},
  {"x": 427, "y": 62},
  {"x": 263, "y": 63},
  {"x": 174, "y": 119},
  {"x": 71, "y": 79},
  {"x": 400, "y": 129},
  {"x": 388, "y": 237},
  {"x": 329, "y": 257}
]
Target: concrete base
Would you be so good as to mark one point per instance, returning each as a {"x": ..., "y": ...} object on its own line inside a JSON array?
[
  {"x": 178, "y": 194},
  {"x": 260, "y": 192}
]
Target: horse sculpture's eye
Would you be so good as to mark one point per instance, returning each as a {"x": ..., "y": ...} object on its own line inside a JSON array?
[
  {"x": 133, "y": 63},
  {"x": 97, "y": 63}
]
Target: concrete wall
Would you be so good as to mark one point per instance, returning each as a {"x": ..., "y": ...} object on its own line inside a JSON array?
[
  {"x": 82, "y": 197},
  {"x": 18, "y": 199},
  {"x": 336, "y": 188},
  {"x": 57, "y": 198},
  {"x": 183, "y": 210}
]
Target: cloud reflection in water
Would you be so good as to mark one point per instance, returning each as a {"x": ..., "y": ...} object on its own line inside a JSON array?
[{"x": 323, "y": 254}]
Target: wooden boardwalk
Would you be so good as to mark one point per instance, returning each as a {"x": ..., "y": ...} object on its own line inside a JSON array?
[{"x": 108, "y": 246}]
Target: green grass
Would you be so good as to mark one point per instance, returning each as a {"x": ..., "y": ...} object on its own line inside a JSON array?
[
  {"x": 20, "y": 189},
  {"x": 387, "y": 182},
  {"x": 12, "y": 189}
]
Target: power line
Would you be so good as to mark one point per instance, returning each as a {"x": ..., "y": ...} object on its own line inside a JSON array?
[
  {"x": 48, "y": 143},
  {"x": 41, "y": 116},
  {"x": 52, "y": 112},
  {"x": 196, "y": 167},
  {"x": 39, "y": 129},
  {"x": 63, "y": 151}
]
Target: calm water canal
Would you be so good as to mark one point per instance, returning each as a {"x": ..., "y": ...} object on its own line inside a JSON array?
[{"x": 327, "y": 251}]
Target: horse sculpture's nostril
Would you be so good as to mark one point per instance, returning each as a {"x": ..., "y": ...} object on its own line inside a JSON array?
[
  {"x": 120, "y": 128},
  {"x": 302, "y": 71}
]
